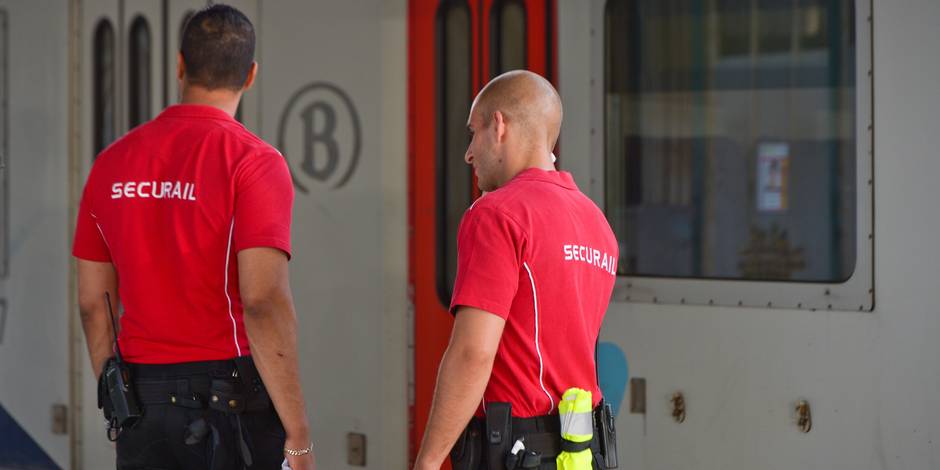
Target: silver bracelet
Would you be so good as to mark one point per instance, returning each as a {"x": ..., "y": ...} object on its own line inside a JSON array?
[{"x": 299, "y": 452}]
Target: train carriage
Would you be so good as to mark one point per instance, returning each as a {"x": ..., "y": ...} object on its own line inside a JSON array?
[{"x": 766, "y": 165}]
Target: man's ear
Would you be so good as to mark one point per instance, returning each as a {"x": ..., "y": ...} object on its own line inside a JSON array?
[
  {"x": 180, "y": 66},
  {"x": 252, "y": 74},
  {"x": 499, "y": 120}
]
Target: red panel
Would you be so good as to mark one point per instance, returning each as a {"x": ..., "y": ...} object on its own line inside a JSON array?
[{"x": 432, "y": 323}]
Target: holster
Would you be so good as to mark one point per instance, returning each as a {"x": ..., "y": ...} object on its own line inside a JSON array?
[
  {"x": 604, "y": 422},
  {"x": 467, "y": 453},
  {"x": 498, "y": 435}
]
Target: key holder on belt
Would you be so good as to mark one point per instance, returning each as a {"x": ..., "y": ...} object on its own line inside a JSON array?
[{"x": 124, "y": 410}]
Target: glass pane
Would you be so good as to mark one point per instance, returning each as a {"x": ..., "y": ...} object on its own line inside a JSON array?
[
  {"x": 4, "y": 158},
  {"x": 104, "y": 78},
  {"x": 508, "y": 39},
  {"x": 730, "y": 138},
  {"x": 139, "y": 73},
  {"x": 455, "y": 177}
]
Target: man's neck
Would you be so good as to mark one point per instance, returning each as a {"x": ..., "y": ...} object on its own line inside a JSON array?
[{"x": 224, "y": 99}]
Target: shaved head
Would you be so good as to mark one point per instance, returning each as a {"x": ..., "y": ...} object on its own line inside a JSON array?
[{"x": 527, "y": 101}]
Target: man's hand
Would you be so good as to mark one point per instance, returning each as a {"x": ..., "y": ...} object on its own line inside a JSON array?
[
  {"x": 271, "y": 325},
  {"x": 464, "y": 373}
]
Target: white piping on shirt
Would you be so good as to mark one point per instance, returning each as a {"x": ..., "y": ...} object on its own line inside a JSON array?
[
  {"x": 535, "y": 303},
  {"x": 93, "y": 216},
  {"x": 228, "y": 255}
]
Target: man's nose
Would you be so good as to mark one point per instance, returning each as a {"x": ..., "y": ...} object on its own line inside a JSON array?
[{"x": 468, "y": 157}]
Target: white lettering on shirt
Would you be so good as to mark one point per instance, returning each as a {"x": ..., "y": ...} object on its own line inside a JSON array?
[
  {"x": 592, "y": 256},
  {"x": 154, "y": 189}
]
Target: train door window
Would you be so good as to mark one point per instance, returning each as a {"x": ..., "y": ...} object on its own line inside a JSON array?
[
  {"x": 104, "y": 86},
  {"x": 454, "y": 176},
  {"x": 732, "y": 139},
  {"x": 4, "y": 158},
  {"x": 139, "y": 72},
  {"x": 508, "y": 36}
]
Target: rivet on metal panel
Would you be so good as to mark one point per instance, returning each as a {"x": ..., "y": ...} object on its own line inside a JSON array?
[
  {"x": 628, "y": 297},
  {"x": 655, "y": 300},
  {"x": 682, "y": 300},
  {"x": 629, "y": 285},
  {"x": 829, "y": 307},
  {"x": 827, "y": 292},
  {"x": 356, "y": 449},
  {"x": 740, "y": 303},
  {"x": 60, "y": 419},
  {"x": 799, "y": 305},
  {"x": 711, "y": 301},
  {"x": 870, "y": 236},
  {"x": 678, "y": 407},
  {"x": 770, "y": 304},
  {"x": 804, "y": 418},
  {"x": 638, "y": 395}
]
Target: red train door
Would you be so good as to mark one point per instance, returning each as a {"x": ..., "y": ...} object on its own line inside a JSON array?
[{"x": 455, "y": 47}]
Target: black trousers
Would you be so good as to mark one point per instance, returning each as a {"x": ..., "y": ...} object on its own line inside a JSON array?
[
  {"x": 158, "y": 441},
  {"x": 188, "y": 434}
]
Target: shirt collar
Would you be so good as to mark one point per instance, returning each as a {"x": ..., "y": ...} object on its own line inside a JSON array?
[
  {"x": 195, "y": 111},
  {"x": 561, "y": 178}
]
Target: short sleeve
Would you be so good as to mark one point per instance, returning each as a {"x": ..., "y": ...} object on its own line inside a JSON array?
[
  {"x": 264, "y": 196},
  {"x": 89, "y": 243},
  {"x": 489, "y": 256}
]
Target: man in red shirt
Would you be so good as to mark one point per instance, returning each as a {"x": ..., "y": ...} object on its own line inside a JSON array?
[
  {"x": 536, "y": 266},
  {"x": 186, "y": 221}
]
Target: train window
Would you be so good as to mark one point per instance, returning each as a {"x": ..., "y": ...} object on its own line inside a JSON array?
[
  {"x": 4, "y": 161},
  {"x": 104, "y": 86},
  {"x": 508, "y": 36},
  {"x": 139, "y": 76},
  {"x": 731, "y": 138},
  {"x": 454, "y": 177}
]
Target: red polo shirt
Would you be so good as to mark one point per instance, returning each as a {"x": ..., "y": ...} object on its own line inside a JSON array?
[
  {"x": 540, "y": 254},
  {"x": 170, "y": 205}
]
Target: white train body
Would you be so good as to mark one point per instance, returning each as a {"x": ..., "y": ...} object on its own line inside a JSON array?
[{"x": 862, "y": 353}]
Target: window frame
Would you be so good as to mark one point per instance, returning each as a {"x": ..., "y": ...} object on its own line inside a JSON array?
[{"x": 854, "y": 294}]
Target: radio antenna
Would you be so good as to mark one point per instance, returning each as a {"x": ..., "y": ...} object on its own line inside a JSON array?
[{"x": 117, "y": 347}]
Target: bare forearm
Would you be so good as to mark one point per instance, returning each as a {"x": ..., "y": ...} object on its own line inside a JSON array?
[
  {"x": 460, "y": 385},
  {"x": 98, "y": 337},
  {"x": 273, "y": 338}
]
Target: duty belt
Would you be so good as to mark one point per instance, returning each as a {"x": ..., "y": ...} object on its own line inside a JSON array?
[{"x": 197, "y": 385}]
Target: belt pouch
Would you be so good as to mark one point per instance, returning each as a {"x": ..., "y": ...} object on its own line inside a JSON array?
[
  {"x": 226, "y": 396},
  {"x": 497, "y": 437}
]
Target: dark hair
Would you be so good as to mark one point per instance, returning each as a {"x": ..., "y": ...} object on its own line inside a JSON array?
[{"x": 218, "y": 47}]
